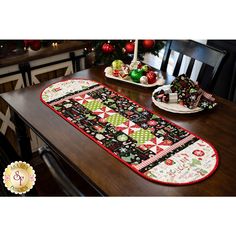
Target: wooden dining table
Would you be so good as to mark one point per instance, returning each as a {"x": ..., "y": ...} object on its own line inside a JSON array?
[{"x": 100, "y": 169}]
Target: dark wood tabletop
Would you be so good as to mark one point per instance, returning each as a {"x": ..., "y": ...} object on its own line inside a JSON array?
[{"x": 217, "y": 126}]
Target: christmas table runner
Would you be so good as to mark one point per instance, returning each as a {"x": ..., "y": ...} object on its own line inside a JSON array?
[{"x": 152, "y": 146}]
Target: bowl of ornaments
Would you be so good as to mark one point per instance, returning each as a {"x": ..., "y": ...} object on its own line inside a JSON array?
[{"x": 136, "y": 73}]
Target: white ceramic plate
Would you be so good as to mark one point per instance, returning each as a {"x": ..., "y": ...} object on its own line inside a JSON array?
[
  {"x": 159, "y": 82},
  {"x": 173, "y": 107}
]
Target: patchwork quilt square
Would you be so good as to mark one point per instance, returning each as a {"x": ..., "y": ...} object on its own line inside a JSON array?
[
  {"x": 93, "y": 105},
  {"x": 82, "y": 99},
  {"x": 128, "y": 127},
  {"x": 104, "y": 112},
  {"x": 142, "y": 135},
  {"x": 116, "y": 119},
  {"x": 152, "y": 144}
]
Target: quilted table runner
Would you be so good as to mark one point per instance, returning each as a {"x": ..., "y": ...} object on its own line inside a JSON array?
[{"x": 149, "y": 144}]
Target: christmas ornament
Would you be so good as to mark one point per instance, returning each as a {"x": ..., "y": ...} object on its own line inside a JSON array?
[
  {"x": 129, "y": 47},
  {"x": 125, "y": 69},
  {"x": 144, "y": 80},
  {"x": 124, "y": 72},
  {"x": 117, "y": 64},
  {"x": 148, "y": 44},
  {"x": 140, "y": 65},
  {"x": 135, "y": 65},
  {"x": 116, "y": 73},
  {"x": 108, "y": 70},
  {"x": 152, "y": 77},
  {"x": 35, "y": 45},
  {"x": 27, "y": 43},
  {"x": 145, "y": 68},
  {"x": 123, "y": 75},
  {"x": 117, "y": 49},
  {"x": 107, "y": 48},
  {"x": 136, "y": 74}
]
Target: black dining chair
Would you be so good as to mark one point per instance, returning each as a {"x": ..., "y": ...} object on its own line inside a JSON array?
[
  {"x": 59, "y": 174},
  {"x": 210, "y": 57}
]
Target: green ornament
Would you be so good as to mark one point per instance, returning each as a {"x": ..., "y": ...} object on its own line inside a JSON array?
[
  {"x": 145, "y": 68},
  {"x": 136, "y": 74},
  {"x": 117, "y": 64}
]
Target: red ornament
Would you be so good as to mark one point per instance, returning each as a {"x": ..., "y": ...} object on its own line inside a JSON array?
[
  {"x": 116, "y": 73},
  {"x": 129, "y": 47},
  {"x": 27, "y": 43},
  {"x": 139, "y": 66},
  {"x": 107, "y": 48},
  {"x": 148, "y": 44},
  {"x": 152, "y": 77},
  {"x": 35, "y": 45}
]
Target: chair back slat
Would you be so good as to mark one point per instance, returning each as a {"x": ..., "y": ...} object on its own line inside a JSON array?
[
  {"x": 178, "y": 65},
  {"x": 190, "y": 67},
  {"x": 166, "y": 56},
  {"x": 205, "y": 77},
  {"x": 201, "y": 73}
]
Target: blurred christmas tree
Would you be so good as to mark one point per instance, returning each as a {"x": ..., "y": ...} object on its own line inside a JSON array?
[{"x": 107, "y": 51}]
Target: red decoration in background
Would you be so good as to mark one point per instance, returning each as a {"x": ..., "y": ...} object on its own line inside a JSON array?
[
  {"x": 148, "y": 44},
  {"x": 107, "y": 48},
  {"x": 27, "y": 43},
  {"x": 129, "y": 47},
  {"x": 33, "y": 44}
]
